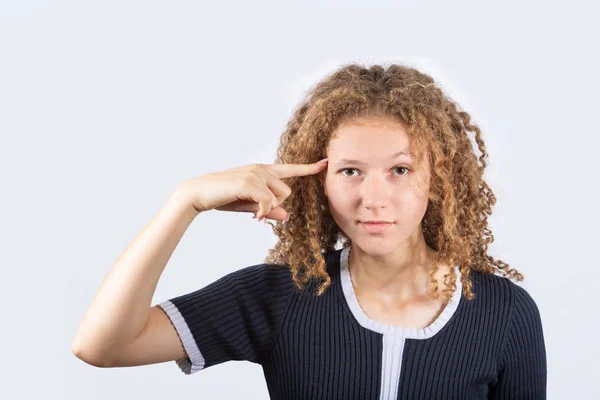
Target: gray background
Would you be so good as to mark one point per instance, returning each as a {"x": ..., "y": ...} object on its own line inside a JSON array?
[{"x": 106, "y": 106}]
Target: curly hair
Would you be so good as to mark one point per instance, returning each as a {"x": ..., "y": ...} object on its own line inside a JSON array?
[{"x": 459, "y": 200}]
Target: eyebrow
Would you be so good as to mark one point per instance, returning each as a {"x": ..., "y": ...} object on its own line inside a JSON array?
[{"x": 395, "y": 155}]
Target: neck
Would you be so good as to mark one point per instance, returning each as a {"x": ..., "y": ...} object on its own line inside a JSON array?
[{"x": 396, "y": 278}]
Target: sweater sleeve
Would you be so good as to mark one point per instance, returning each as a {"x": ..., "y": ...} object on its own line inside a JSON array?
[
  {"x": 523, "y": 371},
  {"x": 234, "y": 318}
]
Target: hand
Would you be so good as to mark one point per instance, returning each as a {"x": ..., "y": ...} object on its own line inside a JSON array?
[{"x": 249, "y": 188}]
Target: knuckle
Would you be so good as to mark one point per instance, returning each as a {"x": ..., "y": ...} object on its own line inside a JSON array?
[
  {"x": 256, "y": 173},
  {"x": 267, "y": 197},
  {"x": 249, "y": 177},
  {"x": 247, "y": 185},
  {"x": 255, "y": 168}
]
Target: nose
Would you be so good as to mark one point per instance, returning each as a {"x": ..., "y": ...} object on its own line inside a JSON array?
[{"x": 375, "y": 192}]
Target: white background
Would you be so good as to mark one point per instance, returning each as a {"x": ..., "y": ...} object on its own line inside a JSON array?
[{"x": 106, "y": 106}]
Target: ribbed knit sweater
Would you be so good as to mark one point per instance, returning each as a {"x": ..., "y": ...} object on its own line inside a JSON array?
[{"x": 310, "y": 347}]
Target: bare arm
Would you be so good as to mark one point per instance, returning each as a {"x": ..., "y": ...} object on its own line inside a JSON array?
[
  {"x": 120, "y": 328},
  {"x": 120, "y": 310}
]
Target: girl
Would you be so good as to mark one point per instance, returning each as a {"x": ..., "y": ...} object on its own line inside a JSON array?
[{"x": 380, "y": 286}]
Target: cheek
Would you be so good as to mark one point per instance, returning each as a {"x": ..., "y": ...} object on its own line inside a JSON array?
[
  {"x": 411, "y": 210},
  {"x": 341, "y": 204}
]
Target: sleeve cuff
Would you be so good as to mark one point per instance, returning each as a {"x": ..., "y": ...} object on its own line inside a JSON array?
[{"x": 195, "y": 361}]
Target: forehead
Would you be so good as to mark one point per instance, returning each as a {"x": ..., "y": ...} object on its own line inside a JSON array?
[
  {"x": 372, "y": 121},
  {"x": 370, "y": 133}
]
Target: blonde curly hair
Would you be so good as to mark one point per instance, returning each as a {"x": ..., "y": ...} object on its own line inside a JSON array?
[{"x": 455, "y": 223}]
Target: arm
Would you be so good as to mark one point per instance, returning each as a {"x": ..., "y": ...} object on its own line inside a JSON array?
[
  {"x": 121, "y": 308},
  {"x": 523, "y": 371}
]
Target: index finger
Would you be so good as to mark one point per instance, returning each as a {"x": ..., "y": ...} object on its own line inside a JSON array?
[{"x": 290, "y": 170}]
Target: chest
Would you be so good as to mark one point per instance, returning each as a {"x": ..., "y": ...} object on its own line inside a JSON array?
[
  {"x": 322, "y": 352},
  {"x": 416, "y": 315}
]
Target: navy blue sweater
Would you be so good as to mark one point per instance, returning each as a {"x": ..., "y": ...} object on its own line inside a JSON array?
[{"x": 326, "y": 347}]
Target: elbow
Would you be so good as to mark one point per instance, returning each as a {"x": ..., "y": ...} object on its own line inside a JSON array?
[{"x": 90, "y": 357}]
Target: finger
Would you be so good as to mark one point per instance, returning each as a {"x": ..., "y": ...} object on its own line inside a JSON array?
[
  {"x": 290, "y": 170},
  {"x": 265, "y": 181},
  {"x": 247, "y": 206},
  {"x": 277, "y": 214},
  {"x": 264, "y": 197},
  {"x": 255, "y": 195},
  {"x": 280, "y": 190}
]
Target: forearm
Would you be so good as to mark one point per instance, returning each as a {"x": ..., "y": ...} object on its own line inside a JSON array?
[{"x": 119, "y": 311}]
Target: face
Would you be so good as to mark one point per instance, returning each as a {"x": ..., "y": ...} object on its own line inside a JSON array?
[{"x": 367, "y": 180}]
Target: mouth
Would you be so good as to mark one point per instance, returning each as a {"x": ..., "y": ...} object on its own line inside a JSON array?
[{"x": 375, "y": 226}]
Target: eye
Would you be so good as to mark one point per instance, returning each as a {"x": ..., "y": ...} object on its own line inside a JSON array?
[
  {"x": 404, "y": 168},
  {"x": 347, "y": 169},
  {"x": 354, "y": 169}
]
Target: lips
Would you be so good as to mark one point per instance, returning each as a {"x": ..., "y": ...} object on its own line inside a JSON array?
[{"x": 375, "y": 227}]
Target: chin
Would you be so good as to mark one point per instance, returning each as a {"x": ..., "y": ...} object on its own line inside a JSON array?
[{"x": 375, "y": 246}]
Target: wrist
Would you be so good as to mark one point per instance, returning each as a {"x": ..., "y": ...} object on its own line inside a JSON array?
[{"x": 181, "y": 199}]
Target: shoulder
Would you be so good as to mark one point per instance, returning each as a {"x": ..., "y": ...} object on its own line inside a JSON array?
[
  {"x": 501, "y": 288},
  {"x": 270, "y": 274},
  {"x": 257, "y": 283},
  {"x": 506, "y": 298},
  {"x": 508, "y": 312},
  {"x": 257, "y": 280}
]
